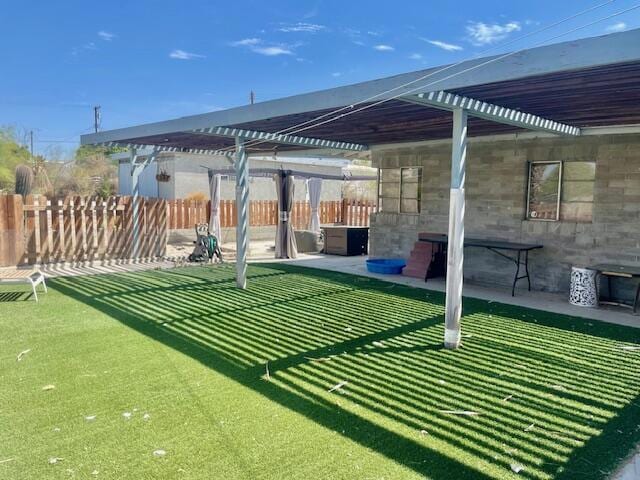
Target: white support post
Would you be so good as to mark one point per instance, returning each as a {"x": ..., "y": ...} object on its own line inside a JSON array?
[
  {"x": 136, "y": 170},
  {"x": 453, "y": 301},
  {"x": 242, "y": 210}
]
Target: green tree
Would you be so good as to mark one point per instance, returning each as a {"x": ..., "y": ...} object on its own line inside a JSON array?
[{"x": 90, "y": 172}]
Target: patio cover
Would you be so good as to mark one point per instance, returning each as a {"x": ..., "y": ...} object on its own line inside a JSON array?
[{"x": 580, "y": 87}]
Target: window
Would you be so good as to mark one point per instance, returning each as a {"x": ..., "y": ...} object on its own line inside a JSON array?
[
  {"x": 410, "y": 179},
  {"x": 578, "y": 179},
  {"x": 399, "y": 190},
  {"x": 561, "y": 191},
  {"x": 544, "y": 190}
]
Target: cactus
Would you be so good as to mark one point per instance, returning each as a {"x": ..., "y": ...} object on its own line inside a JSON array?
[{"x": 24, "y": 180}]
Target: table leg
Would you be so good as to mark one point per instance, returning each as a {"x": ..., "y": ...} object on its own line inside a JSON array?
[
  {"x": 515, "y": 279},
  {"x": 526, "y": 267}
]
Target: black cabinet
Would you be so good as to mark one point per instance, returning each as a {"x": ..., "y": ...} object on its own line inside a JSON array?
[{"x": 344, "y": 240}]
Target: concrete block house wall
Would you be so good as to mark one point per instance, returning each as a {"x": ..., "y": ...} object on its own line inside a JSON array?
[{"x": 496, "y": 188}]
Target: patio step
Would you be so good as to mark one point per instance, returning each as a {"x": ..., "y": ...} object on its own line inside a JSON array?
[{"x": 419, "y": 260}]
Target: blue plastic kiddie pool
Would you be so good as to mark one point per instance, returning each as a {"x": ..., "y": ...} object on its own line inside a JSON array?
[{"x": 386, "y": 265}]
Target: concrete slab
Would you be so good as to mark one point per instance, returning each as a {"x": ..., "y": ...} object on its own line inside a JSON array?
[{"x": 630, "y": 470}]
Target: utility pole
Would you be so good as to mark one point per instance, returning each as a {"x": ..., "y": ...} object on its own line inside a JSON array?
[
  {"x": 96, "y": 118},
  {"x": 252, "y": 97}
]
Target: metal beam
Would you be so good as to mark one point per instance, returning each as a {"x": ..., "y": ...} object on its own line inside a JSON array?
[
  {"x": 270, "y": 172},
  {"x": 242, "y": 210},
  {"x": 279, "y": 138},
  {"x": 161, "y": 148},
  {"x": 451, "y": 102},
  {"x": 455, "y": 249}
]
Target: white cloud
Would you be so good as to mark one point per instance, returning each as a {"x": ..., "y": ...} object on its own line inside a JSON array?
[
  {"x": 617, "y": 27},
  {"x": 106, "y": 36},
  {"x": 336, "y": 74},
  {"x": 257, "y": 45},
  {"x": 182, "y": 55},
  {"x": 246, "y": 42},
  {"x": 449, "y": 47},
  {"x": 384, "y": 48},
  {"x": 485, "y": 34},
  {"x": 272, "y": 51},
  {"x": 415, "y": 56},
  {"x": 302, "y": 27}
]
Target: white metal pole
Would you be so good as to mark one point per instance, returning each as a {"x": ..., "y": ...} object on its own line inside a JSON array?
[
  {"x": 135, "y": 194},
  {"x": 242, "y": 210},
  {"x": 453, "y": 301},
  {"x": 136, "y": 171}
]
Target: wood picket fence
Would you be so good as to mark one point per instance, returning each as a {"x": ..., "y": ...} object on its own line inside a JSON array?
[
  {"x": 38, "y": 229},
  {"x": 72, "y": 229},
  {"x": 184, "y": 214}
]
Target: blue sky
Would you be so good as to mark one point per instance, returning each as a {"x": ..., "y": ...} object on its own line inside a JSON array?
[{"x": 144, "y": 61}]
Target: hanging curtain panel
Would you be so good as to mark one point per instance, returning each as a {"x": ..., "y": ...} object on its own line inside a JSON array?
[
  {"x": 214, "y": 217},
  {"x": 314, "y": 186},
  {"x": 285, "y": 239}
]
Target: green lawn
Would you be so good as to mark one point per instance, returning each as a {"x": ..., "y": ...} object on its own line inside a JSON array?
[{"x": 555, "y": 395}]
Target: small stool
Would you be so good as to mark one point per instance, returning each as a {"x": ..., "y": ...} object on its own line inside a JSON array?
[{"x": 583, "y": 287}]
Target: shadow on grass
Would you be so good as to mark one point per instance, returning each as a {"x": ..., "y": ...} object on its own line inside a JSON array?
[
  {"x": 15, "y": 296},
  {"x": 315, "y": 328}
]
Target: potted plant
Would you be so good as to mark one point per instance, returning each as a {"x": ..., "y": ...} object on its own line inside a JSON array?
[{"x": 163, "y": 176}]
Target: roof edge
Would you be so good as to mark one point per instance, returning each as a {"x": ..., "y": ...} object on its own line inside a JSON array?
[{"x": 566, "y": 56}]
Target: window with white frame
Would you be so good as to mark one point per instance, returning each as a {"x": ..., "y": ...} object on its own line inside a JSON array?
[
  {"x": 560, "y": 191},
  {"x": 400, "y": 189}
]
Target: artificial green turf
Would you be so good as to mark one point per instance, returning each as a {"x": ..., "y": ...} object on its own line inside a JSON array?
[{"x": 555, "y": 394}]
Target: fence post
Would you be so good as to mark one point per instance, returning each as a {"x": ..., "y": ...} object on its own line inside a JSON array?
[{"x": 11, "y": 231}]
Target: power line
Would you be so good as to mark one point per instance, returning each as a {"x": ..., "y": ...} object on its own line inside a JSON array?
[{"x": 295, "y": 128}]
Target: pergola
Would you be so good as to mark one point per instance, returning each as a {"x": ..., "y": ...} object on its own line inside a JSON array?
[{"x": 565, "y": 89}]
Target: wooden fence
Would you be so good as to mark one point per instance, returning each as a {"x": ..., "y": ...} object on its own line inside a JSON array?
[
  {"x": 70, "y": 229},
  {"x": 48, "y": 230},
  {"x": 185, "y": 214}
]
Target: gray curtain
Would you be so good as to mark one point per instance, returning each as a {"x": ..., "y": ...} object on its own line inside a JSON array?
[
  {"x": 214, "y": 195},
  {"x": 285, "y": 239},
  {"x": 314, "y": 185}
]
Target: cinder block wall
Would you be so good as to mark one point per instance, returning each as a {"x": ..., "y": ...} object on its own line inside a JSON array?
[{"x": 496, "y": 206}]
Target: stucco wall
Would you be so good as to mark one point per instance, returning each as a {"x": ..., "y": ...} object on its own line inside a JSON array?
[
  {"x": 496, "y": 206},
  {"x": 187, "y": 177}
]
